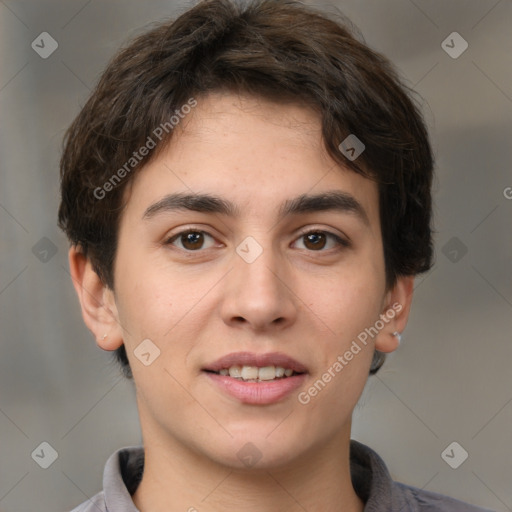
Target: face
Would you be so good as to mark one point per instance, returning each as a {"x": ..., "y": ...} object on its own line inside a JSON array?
[{"x": 250, "y": 270}]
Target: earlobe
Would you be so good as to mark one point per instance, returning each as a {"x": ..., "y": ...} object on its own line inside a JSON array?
[
  {"x": 107, "y": 343},
  {"x": 99, "y": 310},
  {"x": 396, "y": 311}
]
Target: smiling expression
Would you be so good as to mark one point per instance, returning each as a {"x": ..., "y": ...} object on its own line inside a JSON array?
[{"x": 244, "y": 236}]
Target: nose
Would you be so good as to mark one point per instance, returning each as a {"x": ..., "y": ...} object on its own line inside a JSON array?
[{"x": 259, "y": 295}]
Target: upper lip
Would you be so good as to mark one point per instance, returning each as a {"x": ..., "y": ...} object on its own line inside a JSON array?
[{"x": 253, "y": 359}]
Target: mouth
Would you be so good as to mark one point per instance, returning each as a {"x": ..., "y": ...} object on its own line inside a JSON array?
[
  {"x": 257, "y": 379},
  {"x": 250, "y": 366},
  {"x": 255, "y": 373}
]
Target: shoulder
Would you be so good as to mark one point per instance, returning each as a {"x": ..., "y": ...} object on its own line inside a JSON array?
[
  {"x": 380, "y": 493},
  {"x": 122, "y": 474},
  {"x": 95, "y": 504},
  {"x": 426, "y": 501}
]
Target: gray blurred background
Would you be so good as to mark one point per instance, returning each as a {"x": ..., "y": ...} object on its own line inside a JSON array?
[{"x": 450, "y": 381}]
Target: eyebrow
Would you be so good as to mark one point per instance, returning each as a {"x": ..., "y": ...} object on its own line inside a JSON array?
[{"x": 208, "y": 203}]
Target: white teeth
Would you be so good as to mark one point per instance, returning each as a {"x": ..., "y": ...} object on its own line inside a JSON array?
[
  {"x": 235, "y": 371},
  {"x": 279, "y": 371},
  {"x": 253, "y": 373},
  {"x": 267, "y": 373},
  {"x": 249, "y": 372}
]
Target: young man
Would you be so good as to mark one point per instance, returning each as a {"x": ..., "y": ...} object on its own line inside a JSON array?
[{"x": 247, "y": 196}]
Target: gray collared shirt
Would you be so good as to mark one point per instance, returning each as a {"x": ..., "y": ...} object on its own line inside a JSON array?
[{"x": 370, "y": 478}]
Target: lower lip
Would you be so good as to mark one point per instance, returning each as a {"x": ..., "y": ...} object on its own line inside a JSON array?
[{"x": 258, "y": 393}]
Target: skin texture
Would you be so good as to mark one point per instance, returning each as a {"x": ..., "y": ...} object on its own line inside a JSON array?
[{"x": 307, "y": 302}]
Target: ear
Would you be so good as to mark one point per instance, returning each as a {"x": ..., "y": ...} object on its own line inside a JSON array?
[
  {"x": 99, "y": 309},
  {"x": 395, "y": 312}
]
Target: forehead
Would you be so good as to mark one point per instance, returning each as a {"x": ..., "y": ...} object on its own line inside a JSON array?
[{"x": 253, "y": 152}]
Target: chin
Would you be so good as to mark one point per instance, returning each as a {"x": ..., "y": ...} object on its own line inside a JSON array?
[{"x": 256, "y": 449}]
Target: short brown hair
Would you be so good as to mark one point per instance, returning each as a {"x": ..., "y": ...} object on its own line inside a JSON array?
[{"x": 269, "y": 48}]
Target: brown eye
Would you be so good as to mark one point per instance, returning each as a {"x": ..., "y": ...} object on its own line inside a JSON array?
[
  {"x": 315, "y": 241},
  {"x": 319, "y": 240},
  {"x": 190, "y": 240}
]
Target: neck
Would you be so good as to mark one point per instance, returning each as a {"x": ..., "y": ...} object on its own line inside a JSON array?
[{"x": 178, "y": 479}]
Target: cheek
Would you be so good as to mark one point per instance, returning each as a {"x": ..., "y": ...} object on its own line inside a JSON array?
[
  {"x": 347, "y": 351},
  {"x": 347, "y": 302},
  {"x": 346, "y": 305},
  {"x": 149, "y": 296},
  {"x": 169, "y": 308},
  {"x": 344, "y": 353}
]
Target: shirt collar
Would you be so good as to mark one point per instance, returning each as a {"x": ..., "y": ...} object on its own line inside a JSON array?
[
  {"x": 373, "y": 483},
  {"x": 370, "y": 478}
]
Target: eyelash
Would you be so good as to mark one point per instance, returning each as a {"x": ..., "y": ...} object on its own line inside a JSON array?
[{"x": 342, "y": 243}]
